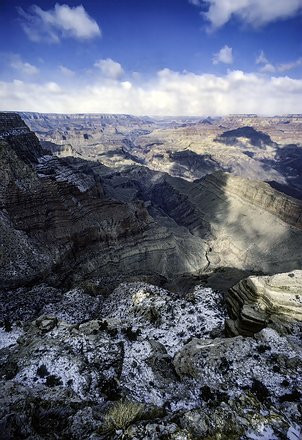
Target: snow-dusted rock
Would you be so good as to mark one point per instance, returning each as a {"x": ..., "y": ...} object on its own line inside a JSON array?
[
  {"x": 55, "y": 354},
  {"x": 161, "y": 315},
  {"x": 151, "y": 346}
]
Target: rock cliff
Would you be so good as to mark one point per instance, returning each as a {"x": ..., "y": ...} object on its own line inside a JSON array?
[
  {"x": 24, "y": 142},
  {"x": 57, "y": 223},
  {"x": 260, "y": 195},
  {"x": 251, "y": 226},
  {"x": 66, "y": 219},
  {"x": 245, "y": 224},
  {"x": 258, "y": 302}
]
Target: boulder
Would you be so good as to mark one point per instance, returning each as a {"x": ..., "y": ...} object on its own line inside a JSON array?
[{"x": 258, "y": 302}]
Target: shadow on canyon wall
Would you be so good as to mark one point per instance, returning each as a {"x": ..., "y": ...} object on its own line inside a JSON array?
[
  {"x": 240, "y": 223},
  {"x": 69, "y": 221},
  {"x": 288, "y": 161}
]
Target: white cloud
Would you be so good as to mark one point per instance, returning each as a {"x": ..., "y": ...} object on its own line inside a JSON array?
[
  {"x": 109, "y": 68},
  {"x": 126, "y": 85},
  {"x": 53, "y": 87},
  {"x": 169, "y": 93},
  {"x": 62, "y": 21},
  {"x": 66, "y": 71},
  {"x": 290, "y": 66},
  {"x": 23, "y": 67},
  {"x": 225, "y": 55},
  {"x": 254, "y": 12},
  {"x": 261, "y": 59},
  {"x": 268, "y": 67}
]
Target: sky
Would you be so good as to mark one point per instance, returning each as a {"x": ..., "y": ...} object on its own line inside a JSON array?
[{"x": 151, "y": 57}]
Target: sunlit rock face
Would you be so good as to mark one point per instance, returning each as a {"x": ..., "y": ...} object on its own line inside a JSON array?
[
  {"x": 234, "y": 216},
  {"x": 262, "y": 196},
  {"x": 257, "y": 302}
]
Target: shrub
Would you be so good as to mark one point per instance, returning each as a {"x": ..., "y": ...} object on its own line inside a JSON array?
[{"x": 122, "y": 414}]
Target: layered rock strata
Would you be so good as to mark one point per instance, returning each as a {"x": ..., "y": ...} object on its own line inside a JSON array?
[
  {"x": 58, "y": 224},
  {"x": 66, "y": 220},
  {"x": 257, "y": 302},
  {"x": 261, "y": 195},
  {"x": 24, "y": 142},
  {"x": 249, "y": 225},
  {"x": 245, "y": 224}
]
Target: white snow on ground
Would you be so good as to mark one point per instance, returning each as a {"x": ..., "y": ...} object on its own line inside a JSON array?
[
  {"x": 14, "y": 132},
  {"x": 7, "y": 339},
  {"x": 266, "y": 433},
  {"x": 160, "y": 315},
  {"x": 147, "y": 326},
  {"x": 294, "y": 433}
]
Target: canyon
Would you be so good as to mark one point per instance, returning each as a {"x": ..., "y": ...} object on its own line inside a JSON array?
[
  {"x": 261, "y": 148},
  {"x": 154, "y": 261}
]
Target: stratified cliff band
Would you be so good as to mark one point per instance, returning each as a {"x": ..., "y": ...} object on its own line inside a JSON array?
[{"x": 68, "y": 220}]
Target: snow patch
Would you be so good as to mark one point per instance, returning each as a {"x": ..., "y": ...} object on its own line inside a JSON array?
[{"x": 8, "y": 339}]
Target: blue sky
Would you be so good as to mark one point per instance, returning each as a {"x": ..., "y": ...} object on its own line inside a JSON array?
[{"x": 160, "y": 57}]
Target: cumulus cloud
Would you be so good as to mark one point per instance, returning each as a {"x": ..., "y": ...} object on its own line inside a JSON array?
[
  {"x": 225, "y": 55},
  {"x": 23, "y": 67},
  {"x": 126, "y": 85},
  {"x": 268, "y": 67},
  {"x": 109, "y": 68},
  {"x": 62, "y": 21},
  {"x": 169, "y": 93},
  {"x": 253, "y": 12}
]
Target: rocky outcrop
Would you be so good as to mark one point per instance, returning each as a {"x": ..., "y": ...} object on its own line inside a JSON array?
[
  {"x": 138, "y": 328},
  {"x": 258, "y": 302},
  {"x": 59, "y": 150},
  {"x": 188, "y": 162},
  {"x": 222, "y": 367},
  {"x": 143, "y": 344},
  {"x": 24, "y": 142}
]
